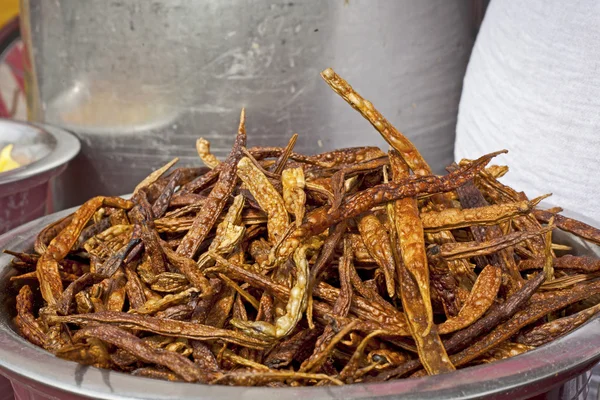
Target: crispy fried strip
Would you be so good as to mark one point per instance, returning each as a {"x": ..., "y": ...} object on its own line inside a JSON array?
[
  {"x": 47, "y": 266},
  {"x": 552, "y": 330},
  {"x": 125, "y": 340},
  {"x": 215, "y": 202},
  {"x": 569, "y": 262},
  {"x": 502, "y": 351},
  {"x": 294, "y": 196},
  {"x": 203, "y": 149},
  {"x": 159, "y": 326},
  {"x": 295, "y": 306},
  {"x": 281, "y": 161},
  {"x": 535, "y": 311},
  {"x": 566, "y": 224},
  {"x": 169, "y": 282},
  {"x": 411, "y": 246},
  {"x": 455, "y": 251},
  {"x": 356, "y": 204},
  {"x": 455, "y": 218},
  {"x": 481, "y": 298},
  {"x": 152, "y": 306},
  {"x": 257, "y": 377},
  {"x": 321, "y": 264},
  {"x": 229, "y": 233},
  {"x": 43, "y": 239},
  {"x": 397, "y": 140},
  {"x": 154, "y": 176},
  {"x": 161, "y": 204},
  {"x": 324, "y": 347},
  {"x": 329, "y": 159},
  {"x": 339, "y": 182},
  {"x": 366, "y": 291},
  {"x": 198, "y": 184},
  {"x": 414, "y": 280},
  {"x": 248, "y": 297},
  {"x": 377, "y": 241},
  {"x": 66, "y": 298},
  {"x": 32, "y": 275},
  {"x": 430, "y": 347},
  {"x": 351, "y": 367},
  {"x": 25, "y": 320},
  {"x": 188, "y": 267},
  {"x": 267, "y": 197},
  {"x": 548, "y": 267},
  {"x": 156, "y": 374},
  {"x": 283, "y": 353}
]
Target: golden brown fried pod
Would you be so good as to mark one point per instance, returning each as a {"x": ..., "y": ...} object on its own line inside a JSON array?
[
  {"x": 575, "y": 227},
  {"x": 25, "y": 320},
  {"x": 552, "y": 330},
  {"x": 229, "y": 233},
  {"x": 502, "y": 351},
  {"x": 398, "y": 141},
  {"x": 296, "y": 304},
  {"x": 293, "y": 192},
  {"x": 377, "y": 241},
  {"x": 414, "y": 280},
  {"x": 319, "y": 220},
  {"x": 535, "y": 311},
  {"x": 203, "y": 149},
  {"x": 454, "y": 218},
  {"x": 481, "y": 298},
  {"x": 125, "y": 340},
  {"x": 454, "y": 251},
  {"x": 411, "y": 242},
  {"x": 47, "y": 267},
  {"x": 268, "y": 198},
  {"x": 215, "y": 202}
]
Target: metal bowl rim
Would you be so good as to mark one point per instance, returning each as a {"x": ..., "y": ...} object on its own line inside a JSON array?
[
  {"x": 67, "y": 147},
  {"x": 570, "y": 353}
]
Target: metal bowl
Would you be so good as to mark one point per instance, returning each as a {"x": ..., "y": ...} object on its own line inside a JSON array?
[
  {"x": 560, "y": 369},
  {"x": 43, "y": 152},
  {"x": 111, "y": 108}
]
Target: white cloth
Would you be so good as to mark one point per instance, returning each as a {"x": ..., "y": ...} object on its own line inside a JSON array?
[{"x": 533, "y": 87}]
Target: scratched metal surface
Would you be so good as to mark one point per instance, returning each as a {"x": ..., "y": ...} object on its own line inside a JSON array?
[{"x": 138, "y": 81}]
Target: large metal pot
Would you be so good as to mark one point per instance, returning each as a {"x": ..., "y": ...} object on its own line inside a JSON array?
[
  {"x": 138, "y": 81},
  {"x": 559, "y": 370}
]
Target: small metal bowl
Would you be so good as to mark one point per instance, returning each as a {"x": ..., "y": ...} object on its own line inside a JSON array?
[
  {"x": 43, "y": 152},
  {"x": 560, "y": 369}
]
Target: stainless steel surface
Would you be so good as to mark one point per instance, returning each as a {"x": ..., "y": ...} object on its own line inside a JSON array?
[
  {"x": 544, "y": 370},
  {"x": 30, "y": 144},
  {"x": 139, "y": 80},
  {"x": 44, "y": 152}
]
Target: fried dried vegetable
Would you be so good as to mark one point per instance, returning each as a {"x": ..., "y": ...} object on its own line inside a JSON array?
[{"x": 275, "y": 268}]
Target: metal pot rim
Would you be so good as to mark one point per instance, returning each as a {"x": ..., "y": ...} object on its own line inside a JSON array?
[
  {"x": 527, "y": 374},
  {"x": 67, "y": 146}
]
